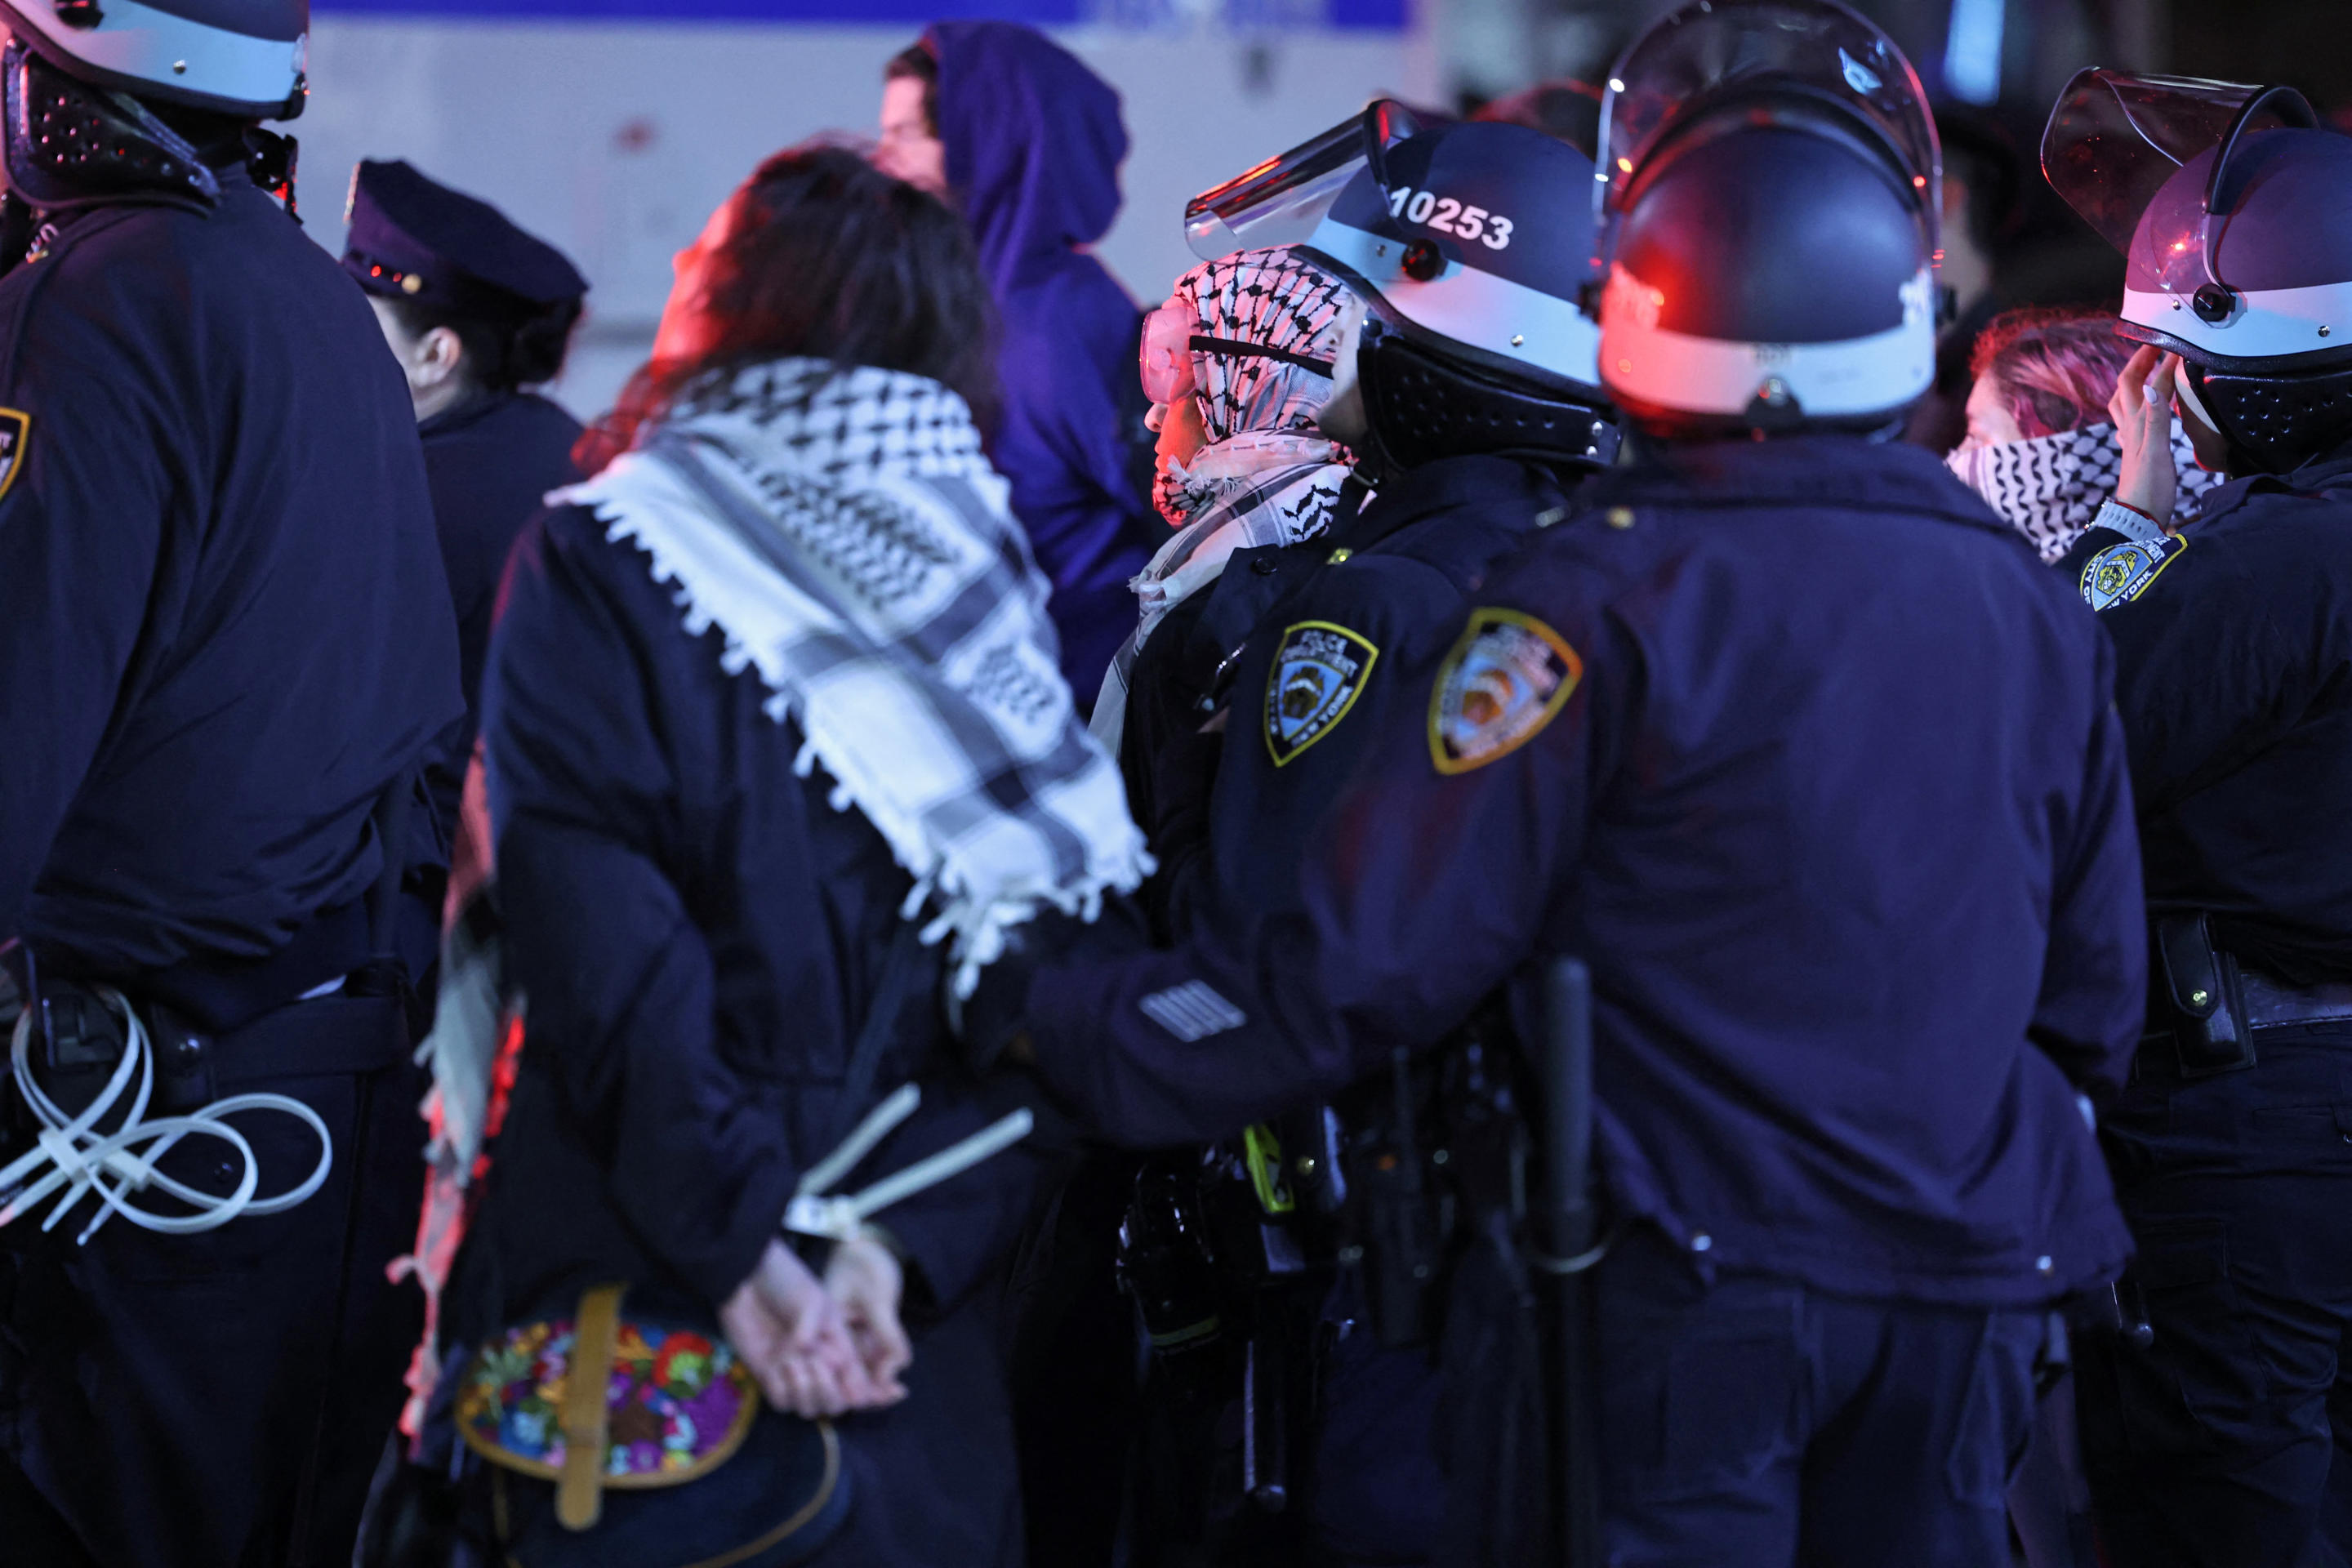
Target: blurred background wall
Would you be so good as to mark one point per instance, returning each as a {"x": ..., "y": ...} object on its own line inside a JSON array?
[{"x": 613, "y": 127}]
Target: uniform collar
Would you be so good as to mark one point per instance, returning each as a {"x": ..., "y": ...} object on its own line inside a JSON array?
[
  {"x": 1500, "y": 489},
  {"x": 1794, "y": 470},
  {"x": 470, "y": 411},
  {"x": 2331, "y": 474}
]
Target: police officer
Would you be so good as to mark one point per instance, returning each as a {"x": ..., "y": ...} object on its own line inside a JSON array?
[
  {"x": 2214, "y": 1426},
  {"x": 225, "y": 645},
  {"x": 1472, "y": 390},
  {"x": 478, "y": 312},
  {"x": 1471, "y": 386},
  {"x": 1818, "y": 769}
]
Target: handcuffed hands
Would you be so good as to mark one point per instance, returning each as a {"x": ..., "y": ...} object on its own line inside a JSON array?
[
  {"x": 821, "y": 1347},
  {"x": 864, "y": 1275},
  {"x": 2141, "y": 409}
]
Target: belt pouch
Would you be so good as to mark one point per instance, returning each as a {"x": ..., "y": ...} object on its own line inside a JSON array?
[{"x": 2206, "y": 996}]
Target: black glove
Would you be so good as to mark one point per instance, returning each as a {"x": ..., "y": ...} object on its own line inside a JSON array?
[{"x": 989, "y": 1023}]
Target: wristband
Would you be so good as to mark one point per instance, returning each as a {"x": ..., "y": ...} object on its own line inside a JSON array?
[{"x": 2131, "y": 522}]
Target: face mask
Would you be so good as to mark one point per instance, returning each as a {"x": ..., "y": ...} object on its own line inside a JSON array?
[{"x": 2049, "y": 489}]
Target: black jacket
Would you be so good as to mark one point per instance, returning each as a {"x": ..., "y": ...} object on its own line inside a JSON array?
[
  {"x": 700, "y": 934},
  {"x": 224, "y": 629},
  {"x": 2233, "y": 673}
]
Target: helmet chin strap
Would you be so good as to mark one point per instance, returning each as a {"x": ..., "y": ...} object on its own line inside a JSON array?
[
  {"x": 1420, "y": 405},
  {"x": 2276, "y": 423}
]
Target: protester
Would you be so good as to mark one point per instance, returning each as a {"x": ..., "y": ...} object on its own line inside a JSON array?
[
  {"x": 2040, "y": 448},
  {"x": 772, "y": 699},
  {"x": 1027, "y": 143},
  {"x": 1242, "y": 469}
]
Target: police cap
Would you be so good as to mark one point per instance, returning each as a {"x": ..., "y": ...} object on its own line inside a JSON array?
[{"x": 413, "y": 238}]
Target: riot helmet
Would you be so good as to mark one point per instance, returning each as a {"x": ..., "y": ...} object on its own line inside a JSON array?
[
  {"x": 2233, "y": 210},
  {"x": 1471, "y": 245},
  {"x": 240, "y": 57},
  {"x": 1769, "y": 195}
]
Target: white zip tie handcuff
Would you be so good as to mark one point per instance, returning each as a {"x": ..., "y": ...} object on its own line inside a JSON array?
[
  {"x": 841, "y": 1216},
  {"x": 115, "y": 1166}
]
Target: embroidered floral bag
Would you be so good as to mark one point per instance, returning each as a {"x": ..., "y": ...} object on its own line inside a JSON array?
[{"x": 616, "y": 1440}]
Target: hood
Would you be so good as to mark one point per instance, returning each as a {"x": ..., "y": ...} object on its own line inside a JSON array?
[{"x": 1034, "y": 144}]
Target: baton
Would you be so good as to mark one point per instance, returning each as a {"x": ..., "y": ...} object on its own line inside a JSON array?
[{"x": 1567, "y": 1233}]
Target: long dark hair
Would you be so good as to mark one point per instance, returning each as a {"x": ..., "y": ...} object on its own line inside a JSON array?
[{"x": 828, "y": 259}]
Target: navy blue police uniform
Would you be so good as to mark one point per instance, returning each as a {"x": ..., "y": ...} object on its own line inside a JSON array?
[
  {"x": 491, "y": 457},
  {"x": 1315, "y": 686},
  {"x": 1182, "y": 674},
  {"x": 1300, "y": 648},
  {"x": 1384, "y": 591},
  {"x": 2219, "y": 1438},
  {"x": 1847, "y": 996},
  {"x": 2214, "y": 1423},
  {"x": 224, "y": 638},
  {"x": 1475, "y": 375}
]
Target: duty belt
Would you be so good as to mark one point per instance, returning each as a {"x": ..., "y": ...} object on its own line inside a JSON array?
[{"x": 2274, "y": 1004}]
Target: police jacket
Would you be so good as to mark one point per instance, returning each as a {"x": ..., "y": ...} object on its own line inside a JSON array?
[
  {"x": 2233, "y": 672},
  {"x": 223, "y": 629},
  {"x": 1167, "y": 755},
  {"x": 1813, "y": 762},
  {"x": 700, "y": 934},
  {"x": 1384, "y": 593},
  {"x": 489, "y": 461}
]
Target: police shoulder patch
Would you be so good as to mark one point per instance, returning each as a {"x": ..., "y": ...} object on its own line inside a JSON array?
[
  {"x": 1319, "y": 670},
  {"x": 2122, "y": 572},
  {"x": 15, "y": 433},
  {"x": 1509, "y": 675}
]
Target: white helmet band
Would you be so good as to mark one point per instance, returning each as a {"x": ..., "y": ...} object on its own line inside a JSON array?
[{"x": 1645, "y": 364}]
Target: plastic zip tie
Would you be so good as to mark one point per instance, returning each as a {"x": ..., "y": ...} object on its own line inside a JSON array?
[{"x": 877, "y": 1125}]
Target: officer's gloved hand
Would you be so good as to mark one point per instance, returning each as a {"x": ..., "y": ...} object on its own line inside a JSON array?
[{"x": 988, "y": 1024}]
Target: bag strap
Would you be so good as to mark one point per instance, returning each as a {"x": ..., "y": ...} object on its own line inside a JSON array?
[
  {"x": 903, "y": 969},
  {"x": 583, "y": 1415}
]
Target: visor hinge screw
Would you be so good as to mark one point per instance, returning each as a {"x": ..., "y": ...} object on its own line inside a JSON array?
[
  {"x": 1423, "y": 261},
  {"x": 2323, "y": 331},
  {"x": 1518, "y": 340}
]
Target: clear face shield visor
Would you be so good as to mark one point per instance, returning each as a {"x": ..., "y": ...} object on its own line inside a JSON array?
[
  {"x": 1798, "y": 52},
  {"x": 1282, "y": 200},
  {"x": 2115, "y": 139}
]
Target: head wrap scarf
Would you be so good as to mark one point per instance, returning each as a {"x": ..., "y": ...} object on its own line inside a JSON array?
[
  {"x": 1265, "y": 327},
  {"x": 2050, "y": 487}
]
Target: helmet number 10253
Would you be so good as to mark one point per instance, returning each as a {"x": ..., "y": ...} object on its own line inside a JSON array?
[{"x": 1447, "y": 216}]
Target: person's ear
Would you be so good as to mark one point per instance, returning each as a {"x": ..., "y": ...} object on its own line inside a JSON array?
[{"x": 439, "y": 357}]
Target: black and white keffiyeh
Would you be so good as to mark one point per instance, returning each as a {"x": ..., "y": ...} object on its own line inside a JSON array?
[
  {"x": 1266, "y": 476},
  {"x": 845, "y": 533},
  {"x": 2051, "y": 488}
]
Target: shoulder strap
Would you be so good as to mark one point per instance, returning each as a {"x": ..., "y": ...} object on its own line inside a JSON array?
[
  {"x": 904, "y": 968},
  {"x": 585, "y": 1412}
]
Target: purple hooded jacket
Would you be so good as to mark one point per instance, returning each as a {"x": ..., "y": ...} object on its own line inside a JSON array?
[{"x": 1034, "y": 143}]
